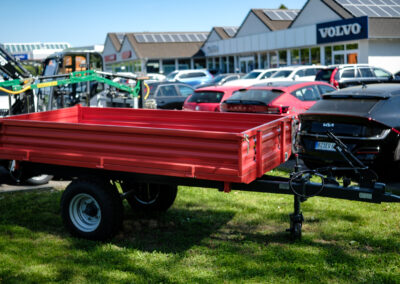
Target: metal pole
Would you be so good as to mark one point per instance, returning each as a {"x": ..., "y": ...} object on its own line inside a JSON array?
[{"x": 141, "y": 100}]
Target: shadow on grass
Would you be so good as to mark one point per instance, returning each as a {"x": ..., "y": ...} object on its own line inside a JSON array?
[{"x": 173, "y": 231}]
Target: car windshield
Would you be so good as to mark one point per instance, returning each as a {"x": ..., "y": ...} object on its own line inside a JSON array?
[
  {"x": 254, "y": 95},
  {"x": 172, "y": 75},
  {"x": 324, "y": 75},
  {"x": 252, "y": 75},
  {"x": 343, "y": 105},
  {"x": 282, "y": 74},
  {"x": 206, "y": 97}
]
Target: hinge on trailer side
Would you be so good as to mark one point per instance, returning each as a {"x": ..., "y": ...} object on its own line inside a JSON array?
[{"x": 246, "y": 139}]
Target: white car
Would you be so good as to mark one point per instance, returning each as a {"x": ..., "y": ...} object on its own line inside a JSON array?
[
  {"x": 294, "y": 73},
  {"x": 155, "y": 77},
  {"x": 253, "y": 77}
]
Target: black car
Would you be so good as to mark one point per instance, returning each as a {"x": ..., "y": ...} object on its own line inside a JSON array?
[
  {"x": 347, "y": 75},
  {"x": 167, "y": 95},
  {"x": 365, "y": 118},
  {"x": 221, "y": 79}
]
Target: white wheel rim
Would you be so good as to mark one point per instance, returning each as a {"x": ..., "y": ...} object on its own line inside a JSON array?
[{"x": 85, "y": 212}]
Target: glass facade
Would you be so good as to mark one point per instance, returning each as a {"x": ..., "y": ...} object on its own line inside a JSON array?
[
  {"x": 282, "y": 58},
  {"x": 295, "y": 56}
]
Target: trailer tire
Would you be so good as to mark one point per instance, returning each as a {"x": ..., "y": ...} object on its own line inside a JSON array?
[
  {"x": 91, "y": 210},
  {"x": 150, "y": 196}
]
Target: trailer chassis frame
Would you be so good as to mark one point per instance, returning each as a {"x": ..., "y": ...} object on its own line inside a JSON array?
[{"x": 373, "y": 193}]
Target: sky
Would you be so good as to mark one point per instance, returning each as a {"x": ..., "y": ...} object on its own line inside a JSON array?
[{"x": 87, "y": 22}]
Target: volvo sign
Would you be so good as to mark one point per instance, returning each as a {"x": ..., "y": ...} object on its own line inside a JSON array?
[{"x": 343, "y": 30}]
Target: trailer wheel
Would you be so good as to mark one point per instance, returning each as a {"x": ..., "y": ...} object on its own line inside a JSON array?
[
  {"x": 149, "y": 196},
  {"x": 91, "y": 210}
]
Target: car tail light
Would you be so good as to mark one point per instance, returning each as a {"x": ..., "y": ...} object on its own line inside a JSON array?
[
  {"x": 395, "y": 131},
  {"x": 255, "y": 108},
  {"x": 334, "y": 82}
]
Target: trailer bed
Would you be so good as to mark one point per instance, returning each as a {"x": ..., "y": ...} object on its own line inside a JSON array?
[{"x": 203, "y": 145}]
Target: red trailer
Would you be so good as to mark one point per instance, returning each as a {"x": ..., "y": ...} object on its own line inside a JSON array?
[
  {"x": 115, "y": 143},
  {"x": 148, "y": 153}
]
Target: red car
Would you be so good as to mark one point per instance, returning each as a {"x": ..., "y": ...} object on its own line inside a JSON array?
[
  {"x": 285, "y": 98},
  {"x": 209, "y": 98}
]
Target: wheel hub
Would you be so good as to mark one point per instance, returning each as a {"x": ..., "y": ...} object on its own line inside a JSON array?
[{"x": 85, "y": 212}]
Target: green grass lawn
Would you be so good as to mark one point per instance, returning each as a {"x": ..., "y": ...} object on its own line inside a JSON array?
[{"x": 206, "y": 237}]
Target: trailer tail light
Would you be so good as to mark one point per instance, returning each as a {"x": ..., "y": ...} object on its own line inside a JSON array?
[{"x": 271, "y": 109}]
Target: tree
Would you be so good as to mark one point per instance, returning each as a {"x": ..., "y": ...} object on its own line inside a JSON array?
[{"x": 282, "y": 7}]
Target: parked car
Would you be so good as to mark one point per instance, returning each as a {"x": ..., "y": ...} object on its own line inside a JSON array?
[
  {"x": 365, "y": 118},
  {"x": 167, "y": 95},
  {"x": 347, "y": 75},
  {"x": 278, "y": 97},
  {"x": 253, "y": 77},
  {"x": 125, "y": 80},
  {"x": 155, "y": 77},
  {"x": 208, "y": 98},
  {"x": 221, "y": 79},
  {"x": 294, "y": 73},
  {"x": 190, "y": 77}
]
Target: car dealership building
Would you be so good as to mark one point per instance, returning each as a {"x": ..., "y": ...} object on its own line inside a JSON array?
[{"x": 323, "y": 32}]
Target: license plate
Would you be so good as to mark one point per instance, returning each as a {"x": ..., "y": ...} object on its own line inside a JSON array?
[{"x": 325, "y": 146}]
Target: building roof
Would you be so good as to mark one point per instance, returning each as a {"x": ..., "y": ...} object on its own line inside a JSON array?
[
  {"x": 26, "y": 47},
  {"x": 226, "y": 32},
  {"x": 371, "y": 8},
  {"x": 166, "y": 45},
  {"x": 276, "y": 19},
  {"x": 116, "y": 40},
  {"x": 347, "y": 9}
]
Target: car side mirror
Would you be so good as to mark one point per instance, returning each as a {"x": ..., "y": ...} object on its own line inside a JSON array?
[{"x": 296, "y": 77}]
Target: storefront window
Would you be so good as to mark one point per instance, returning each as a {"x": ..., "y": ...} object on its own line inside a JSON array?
[
  {"x": 137, "y": 66},
  {"x": 274, "y": 59},
  {"x": 338, "y": 59},
  {"x": 217, "y": 66},
  {"x": 295, "y": 56},
  {"x": 328, "y": 55},
  {"x": 282, "y": 58},
  {"x": 352, "y": 46},
  {"x": 315, "y": 55},
  {"x": 222, "y": 69},
  {"x": 338, "y": 47},
  {"x": 184, "y": 64},
  {"x": 153, "y": 66},
  {"x": 209, "y": 63},
  {"x": 264, "y": 61},
  {"x": 231, "y": 64},
  {"x": 168, "y": 66},
  {"x": 200, "y": 63},
  {"x": 305, "y": 56}
]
